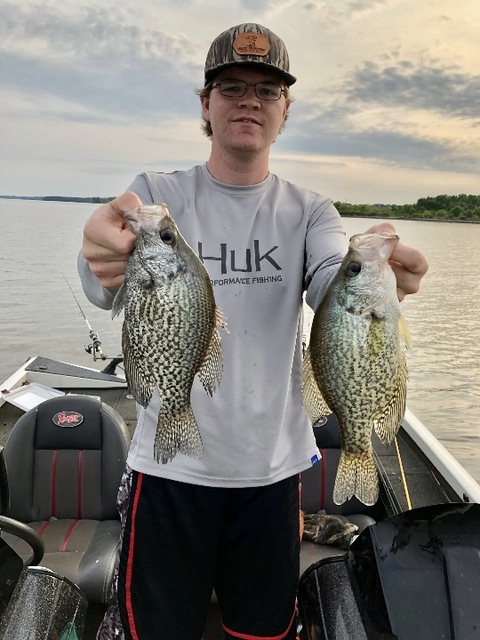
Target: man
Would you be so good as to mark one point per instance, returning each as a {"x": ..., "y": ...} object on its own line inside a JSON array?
[{"x": 229, "y": 520}]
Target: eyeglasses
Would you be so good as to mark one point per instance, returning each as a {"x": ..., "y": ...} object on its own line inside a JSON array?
[{"x": 269, "y": 91}]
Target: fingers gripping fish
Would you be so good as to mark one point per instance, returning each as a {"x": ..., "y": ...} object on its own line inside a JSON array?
[
  {"x": 355, "y": 365},
  {"x": 170, "y": 331}
]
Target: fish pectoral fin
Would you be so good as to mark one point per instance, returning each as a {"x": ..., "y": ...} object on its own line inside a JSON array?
[
  {"x": 210, "y": 371},
  {"x": 314, "y": 403},
  {"x": 177, "y": 433},
  {"x": 119, "y": 301},
  {"x": 387, "y": 423},
  {"x": 356, "y": 476},
  {"x": 404, "y": 332}
]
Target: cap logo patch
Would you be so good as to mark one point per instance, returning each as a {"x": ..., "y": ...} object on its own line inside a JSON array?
[
  {"x": 67, "y": 419},
  {"x": 251, "y": 44}
]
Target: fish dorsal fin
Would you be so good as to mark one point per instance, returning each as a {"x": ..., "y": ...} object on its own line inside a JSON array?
[
  {"x": 220, "y": 319},
  {"x": 313, "y": 401},
  {"x": 210, "y": 371},
  {"x": 140, "y": 384},
  {"x": 388, "y": 422}
]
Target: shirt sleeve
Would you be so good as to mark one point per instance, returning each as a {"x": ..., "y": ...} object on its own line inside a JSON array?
[
  {"x": 325, "y": 247},
  {"x": 96, "y": 294}
]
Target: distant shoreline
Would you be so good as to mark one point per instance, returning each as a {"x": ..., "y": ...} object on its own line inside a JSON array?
[
  {"x": 410, "y": 218},
  {"x": 463, "y": 208},
  {"x": 91, "y": 200}
]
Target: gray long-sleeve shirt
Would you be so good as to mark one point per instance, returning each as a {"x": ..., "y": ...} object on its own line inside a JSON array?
[{"x": 263, "y": 246}]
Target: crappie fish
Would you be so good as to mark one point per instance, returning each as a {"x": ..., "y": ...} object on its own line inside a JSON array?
[
  {"x": 355, "y": 365},
  {"x": 170, "y": 331}
]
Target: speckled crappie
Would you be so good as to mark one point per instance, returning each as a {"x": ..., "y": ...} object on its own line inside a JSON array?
[
  {"x": 355, "y": 365},
  {"x": 170, "y": 331}
]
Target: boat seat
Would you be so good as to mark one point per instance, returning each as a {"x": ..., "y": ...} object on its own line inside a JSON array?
[
  {"x": 317, "y": 493},
  {"x": 64, "y": 461}
]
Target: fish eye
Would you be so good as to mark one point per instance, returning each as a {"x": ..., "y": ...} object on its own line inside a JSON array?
[
  {"x": 168, "y": 236},
  {"x": 353, "y": 269}
]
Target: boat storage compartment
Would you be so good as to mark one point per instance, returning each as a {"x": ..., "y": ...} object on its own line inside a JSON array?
[
  {"x": 413, "y": 576},
  {"x": 31, "y": 395},
  {"x": 44, "y": 606}
]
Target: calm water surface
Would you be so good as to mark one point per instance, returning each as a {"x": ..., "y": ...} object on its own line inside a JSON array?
[{"x": 39, "y": 242}]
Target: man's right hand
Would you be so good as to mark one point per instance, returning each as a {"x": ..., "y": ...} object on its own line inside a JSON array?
[{"x": 108, "y": 240}]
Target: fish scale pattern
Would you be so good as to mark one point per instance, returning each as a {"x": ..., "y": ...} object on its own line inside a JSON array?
[
  {"x": 355, "y": 365},
  {"x": 170, "y": 330}
]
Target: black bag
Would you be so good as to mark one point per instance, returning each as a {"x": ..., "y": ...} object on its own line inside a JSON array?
[{"x": 415, "y": 575}]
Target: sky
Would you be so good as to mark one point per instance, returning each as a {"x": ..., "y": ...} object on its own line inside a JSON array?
[{"x": 386, "y": 107}]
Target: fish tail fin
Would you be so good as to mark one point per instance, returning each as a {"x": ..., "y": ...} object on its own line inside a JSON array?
[
  {"x": 176, "y": 433},
  {"x": 356, "y": 476}
]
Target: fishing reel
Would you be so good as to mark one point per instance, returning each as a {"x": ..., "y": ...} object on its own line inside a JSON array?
[{"x": 95, "y": 347}]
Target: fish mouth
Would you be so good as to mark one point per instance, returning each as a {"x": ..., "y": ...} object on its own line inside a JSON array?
[
  {"x": 374, "y": 246},
  {"x": 146, "y": 218}
]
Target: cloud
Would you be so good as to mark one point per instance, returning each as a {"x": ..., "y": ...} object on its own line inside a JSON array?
[
  {"x": 383, "y": 145},
  {"x": 88, "y": 34},
  {"x": 444, "y": 89},
  {"x": 343, "y": 9},
  {"x": 98, "y": 58},
  {"x": 414, "y": 114},
  {"x": 385, "y": 83}
]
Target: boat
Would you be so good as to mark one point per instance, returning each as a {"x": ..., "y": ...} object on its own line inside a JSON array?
[{"x": 411, "y": 569}]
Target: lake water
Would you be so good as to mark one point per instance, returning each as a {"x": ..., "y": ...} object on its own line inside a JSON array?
[{"x": 39, "y": 242}]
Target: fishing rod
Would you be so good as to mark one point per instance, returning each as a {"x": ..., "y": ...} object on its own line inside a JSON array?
[{"x": 95, "y": 348}]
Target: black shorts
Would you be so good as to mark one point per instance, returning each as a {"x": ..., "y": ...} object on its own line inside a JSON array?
[{"x": 181, "y": 541}]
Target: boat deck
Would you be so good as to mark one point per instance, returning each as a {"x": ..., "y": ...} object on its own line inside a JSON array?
[
  {"x": 421, "y": 485},
  {"x": 423, "y": 488}
]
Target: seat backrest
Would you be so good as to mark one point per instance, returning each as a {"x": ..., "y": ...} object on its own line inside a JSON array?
[
  {"x": 65, "y": 459},
  {"x": 4, "y": 493},
  {"x": 319, "y": 480}
]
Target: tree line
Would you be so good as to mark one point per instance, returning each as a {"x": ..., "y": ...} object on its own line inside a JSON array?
[{"x": 459, "y": 208}]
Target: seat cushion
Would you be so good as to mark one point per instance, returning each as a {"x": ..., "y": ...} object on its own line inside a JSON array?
[
  {"x": 311, "y": 553},
  {"x": 84, "y": 551}
]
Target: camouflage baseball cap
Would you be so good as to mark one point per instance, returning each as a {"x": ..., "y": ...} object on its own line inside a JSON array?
[{"x": 248, "y": 43}]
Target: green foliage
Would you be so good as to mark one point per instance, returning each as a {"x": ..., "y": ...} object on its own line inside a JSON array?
[{"x": 462, "y": 207}]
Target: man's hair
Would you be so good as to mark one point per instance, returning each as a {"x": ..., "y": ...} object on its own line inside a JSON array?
[{"x": 205, "y": 92}]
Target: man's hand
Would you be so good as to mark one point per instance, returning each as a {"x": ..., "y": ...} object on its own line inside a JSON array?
[
  {"x": 408, "y": 264},
  {"x": 108, "y": 240}
]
